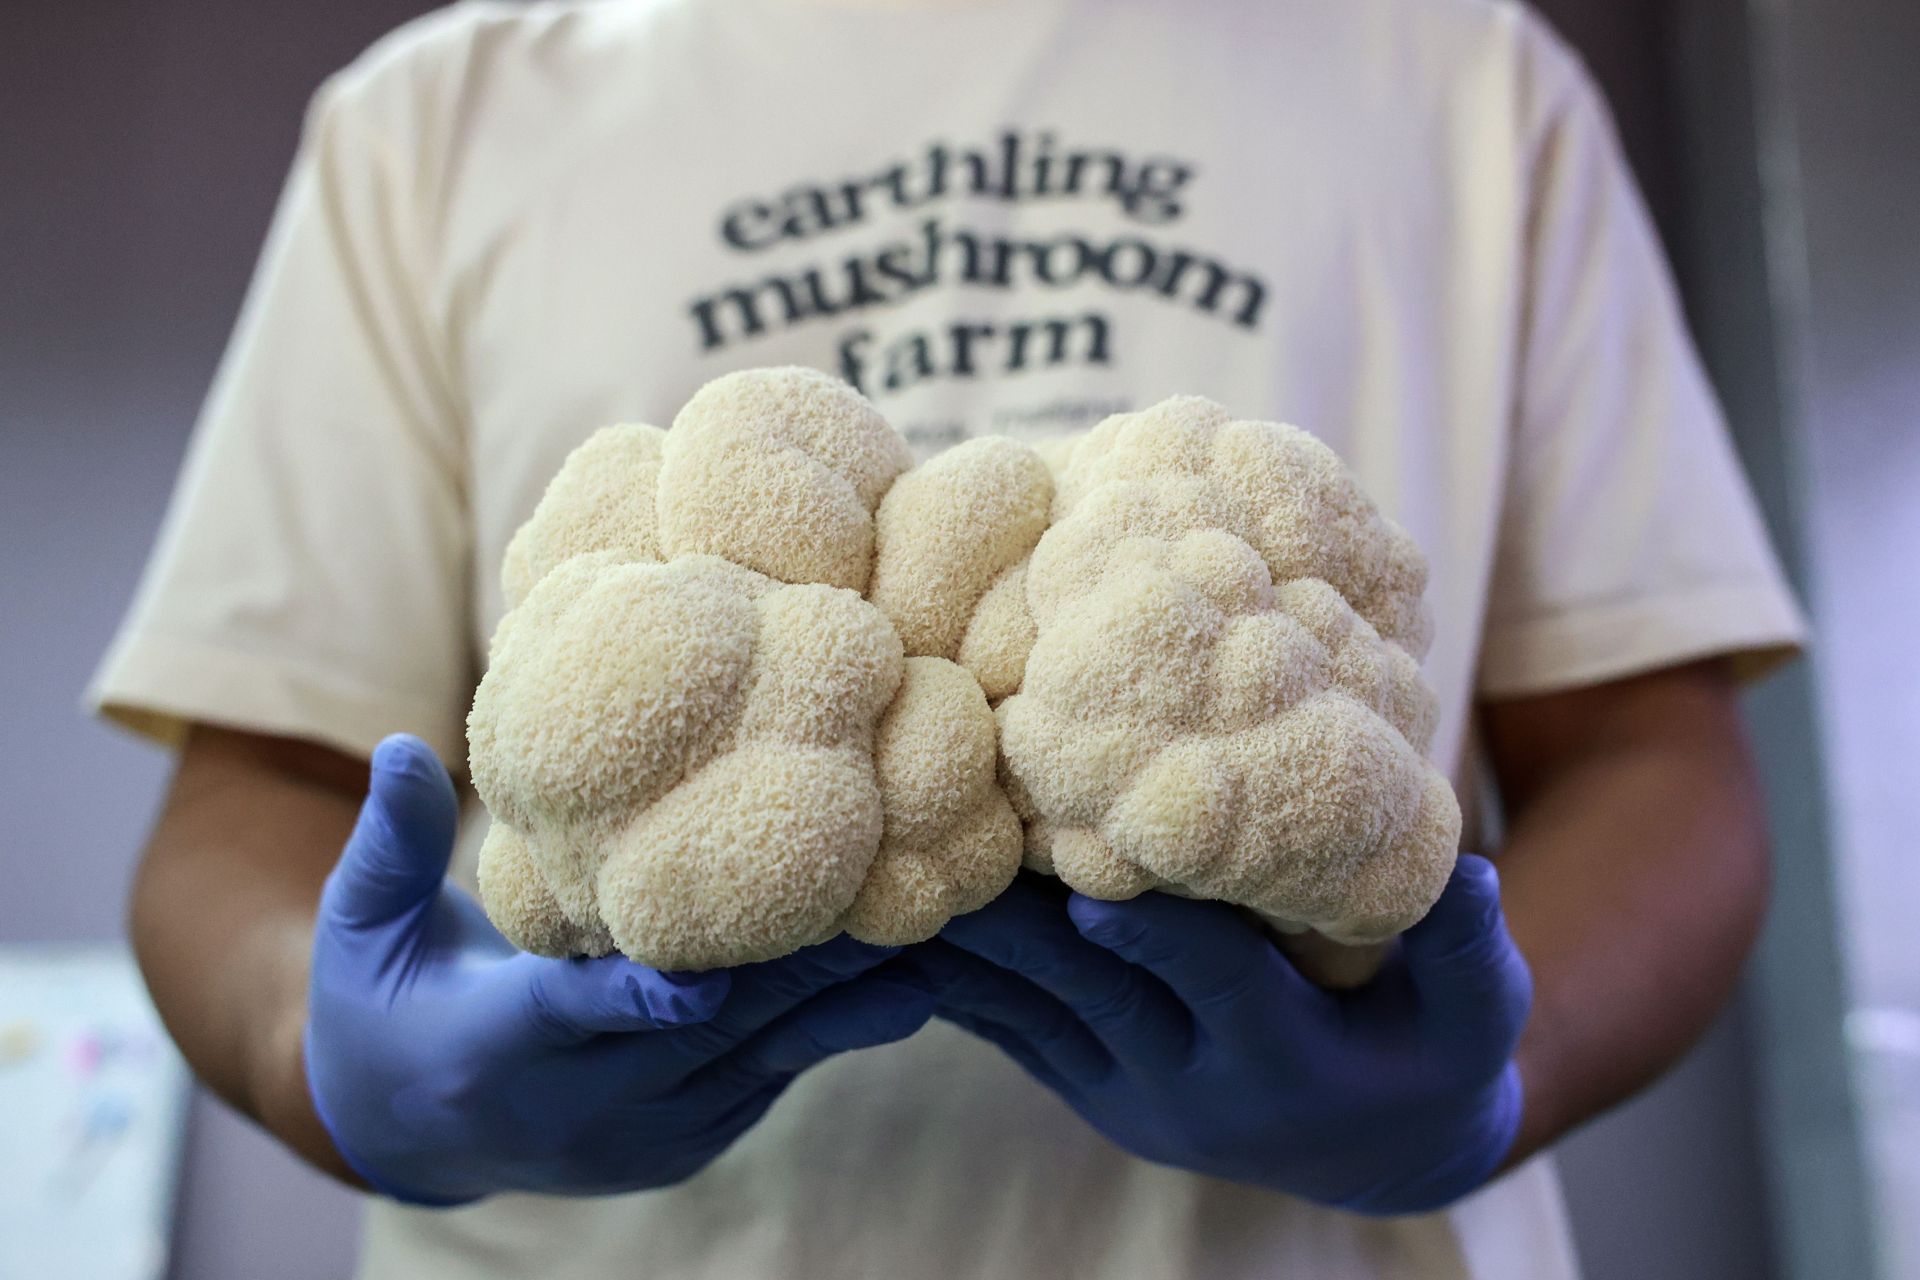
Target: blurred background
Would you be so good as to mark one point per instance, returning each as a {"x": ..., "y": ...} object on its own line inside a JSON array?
[{"x": 142, "y": 145}]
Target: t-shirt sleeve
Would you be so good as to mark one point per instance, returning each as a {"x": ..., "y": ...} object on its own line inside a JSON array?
[
  {"x": 1629, "y": 540},
  {"x": 311, "y": 577}
]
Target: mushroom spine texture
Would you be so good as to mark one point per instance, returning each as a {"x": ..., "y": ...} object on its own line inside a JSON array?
[
  {"x": 1223, "y": 695},
  {"x": 742, "y": 699},
  {"x": 699, "y": 744}
]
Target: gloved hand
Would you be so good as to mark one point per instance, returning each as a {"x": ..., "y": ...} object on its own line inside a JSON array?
[
  {"x": 446, "y": 1065},
  {"x": 1178, "y": 1030}
]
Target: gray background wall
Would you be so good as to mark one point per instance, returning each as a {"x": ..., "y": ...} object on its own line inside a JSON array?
[
  {"x": 1853, "y": 134},
  {"x": 142, "y": 149}
]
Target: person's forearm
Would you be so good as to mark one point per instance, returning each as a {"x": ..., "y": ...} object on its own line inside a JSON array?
[
  {"x": 222, "y": 919},
  {"x": 1635, "y": 874}
]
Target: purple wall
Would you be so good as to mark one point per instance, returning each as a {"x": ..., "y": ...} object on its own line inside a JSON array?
[{"x": 142, "y": 150}]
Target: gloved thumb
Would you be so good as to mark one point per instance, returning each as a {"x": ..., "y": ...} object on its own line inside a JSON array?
[
  {"x": 398, "y": 852},
  {"x": 1470, "y": 977}
]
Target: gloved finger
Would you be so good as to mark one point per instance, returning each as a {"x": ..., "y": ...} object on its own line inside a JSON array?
[
  {"x": 1469, "y": 978},
  {"x": 969, "y": 991},
  {"x": 683, "y": 1138},
  {"x": 854, "y": 1015},
  {"x": 397, "y": 855},
  {"x": 1220, "y": 965},
  {"x": 1010, "y": 1042},
  {"x": 1026, "y": 930},
  {"x": 567, "y": 1002},
  {"x": 764, "y": 991},
  {"x": 761, "y": 993}
]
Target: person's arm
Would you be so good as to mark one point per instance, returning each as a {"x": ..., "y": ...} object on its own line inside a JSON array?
[
  {"x": 1634, "y": 875},
  {"x": 222, "y": 917},
  {"x": 319, "y": 973}
]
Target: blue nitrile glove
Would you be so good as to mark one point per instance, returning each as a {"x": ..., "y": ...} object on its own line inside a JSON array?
[
  {"x": 1179, "y": 1031},
  {"x": 447, "y": 1065}
]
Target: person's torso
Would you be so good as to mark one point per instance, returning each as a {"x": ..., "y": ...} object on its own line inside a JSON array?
[{"x": 1008, "y": 218}]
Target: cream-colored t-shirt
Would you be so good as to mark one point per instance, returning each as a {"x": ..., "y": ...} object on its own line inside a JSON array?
[{"x": 1402, "y": 224}]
